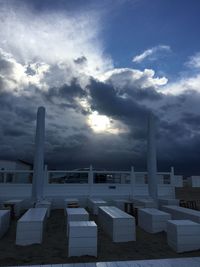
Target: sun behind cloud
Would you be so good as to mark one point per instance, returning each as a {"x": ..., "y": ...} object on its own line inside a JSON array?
[{"x": 99, "y": 123}]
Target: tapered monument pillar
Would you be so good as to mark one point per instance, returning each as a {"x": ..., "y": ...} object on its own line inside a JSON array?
[
  {"x": 151, "y": 158},
  {"x": 38, "y": 174}
]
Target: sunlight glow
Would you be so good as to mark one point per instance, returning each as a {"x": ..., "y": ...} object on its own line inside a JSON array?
[{"x": 99, "y": 123}]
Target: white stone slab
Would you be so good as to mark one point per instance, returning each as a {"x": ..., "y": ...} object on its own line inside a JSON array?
[
  {"x": 75, "y": 214},
  {"x": 30, "y": 226},
  {"x": 44, "y": 204},
  {"x": 82, "y": 238},
  {"x": 4, "y": 221},
  {"x": 82, "y": 251},
  {"x": 119, "y": 225},
  {"x": 82, "y": 229},
  {"x": 83, "y": 242},
  {"x": 180, "y": 213},
  {"x": 168, "y": 201},
  {"x": 94, "y": 204},
  {"x": 183, "y": 235},
  {"x": 153, "y": 220}
]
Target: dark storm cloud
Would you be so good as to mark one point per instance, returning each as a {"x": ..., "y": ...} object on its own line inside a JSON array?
[
  {"x": 75, "y": 144},
  {"x": 66, "y": 95},
  {"x": 191, "y": 119},
  {"x": 105, "y": 99}
]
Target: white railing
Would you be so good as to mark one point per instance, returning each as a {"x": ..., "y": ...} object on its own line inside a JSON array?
[
  {"x": 16, "y": 176},
  {"x": 83, "y": 177}
]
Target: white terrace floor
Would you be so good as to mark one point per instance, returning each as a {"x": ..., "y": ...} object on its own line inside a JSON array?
[{"x": 181, "y": 262}]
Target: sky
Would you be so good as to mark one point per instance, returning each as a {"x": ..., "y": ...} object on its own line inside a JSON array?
[{"x": 99, "y": 68}]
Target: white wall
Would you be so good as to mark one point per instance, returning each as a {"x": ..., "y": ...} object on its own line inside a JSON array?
[
  {"x": 7, "y": 165},
  {"x": 178, "y": 181},
  {"x": 194, "y": 181}
]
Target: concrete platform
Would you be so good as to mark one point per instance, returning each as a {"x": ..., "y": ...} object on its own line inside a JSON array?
[{"x": 178, "y": 262}]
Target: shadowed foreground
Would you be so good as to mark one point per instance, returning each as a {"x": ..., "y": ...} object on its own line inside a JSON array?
[{"x": 54, "y": 246}]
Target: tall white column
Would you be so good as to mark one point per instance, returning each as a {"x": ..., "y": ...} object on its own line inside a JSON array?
[
  {"x": 133, "y": 182},
  {"x": 90, "y": 180},
  {"x": 38, "y": 175},
  {"x": 151, "y": 158}
]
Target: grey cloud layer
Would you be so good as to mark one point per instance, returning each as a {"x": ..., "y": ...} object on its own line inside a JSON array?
[{"x": 70, "y": 142}]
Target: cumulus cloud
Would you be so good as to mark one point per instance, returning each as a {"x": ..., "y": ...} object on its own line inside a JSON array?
[
  {"x": 53, "y": 37},
  {"x": 58, "y": 61},
  {"x": 151, "y": 54},
  {"x": 194, "y": 61}
]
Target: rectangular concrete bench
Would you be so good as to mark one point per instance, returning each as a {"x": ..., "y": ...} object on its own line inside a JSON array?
[
  {"x": 183, "y": 235},
  {"x": 95, "y": 203},
  {"x": 119, "y": 225},
  {"x": 16, "y": 203},
  {"x": 76, "y": 214},
  {"x": 168, "y": 201},
  {"x": 82, "y": 238},
  {"x": 153, "y": 220},
  {"x": 4, "y": 221},
  {"x": 44, "y": 204},
  {"x": 180, "y": 213},
  {"x": 30, "y": 227}
]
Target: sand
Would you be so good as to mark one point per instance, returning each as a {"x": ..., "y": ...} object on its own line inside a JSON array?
[{"x": 54, "y": 247}]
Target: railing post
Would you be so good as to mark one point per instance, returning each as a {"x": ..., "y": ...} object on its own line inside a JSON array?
[
  {"x": 90, "y": 180},
  {"x": 172, "y": 182},
  {"x": 4, "y": 177},
  {"x": 132, "y": 176},
  {"x": 172, "y": 176}
]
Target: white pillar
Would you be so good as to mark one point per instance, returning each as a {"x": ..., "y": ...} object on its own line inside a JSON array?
[
  {"x": 172, "y": 182},
  {"x": 90, "y": 180},
  {"x": 151, "y": 158},
  {"x": 38, "y": 174},
  {"x": 132, "y": 177}
]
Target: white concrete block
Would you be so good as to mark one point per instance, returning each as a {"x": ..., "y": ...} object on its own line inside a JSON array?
[
  {"x": 95, "y": 203},
  {"x": 77, "y": 214},
  {"x": 30, "y": 226},
  {"x": 82, "y": 251},
  {"x": 168, "y": 201},
  {"x": 4, "y": 221},
  {"x": 180, "y": 213},
  {"x": 83, "y": 241},
  {"x": 183, "y": 235},
  {"x": 82, "y": 229},
  {"x": 153, "y": 220},
  {"x": 44, "y": 204},
  {"x": 118, "y": 224},
  {"x": 82, "y": 238}
]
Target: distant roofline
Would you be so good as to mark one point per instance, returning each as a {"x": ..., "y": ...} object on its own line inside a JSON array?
[
  {"x": 18, "y": 160},
  {"x": 25, "y": 162}
]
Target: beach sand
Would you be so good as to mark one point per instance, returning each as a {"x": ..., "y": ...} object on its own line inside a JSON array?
[{"x": 53, "y": 250}]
